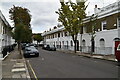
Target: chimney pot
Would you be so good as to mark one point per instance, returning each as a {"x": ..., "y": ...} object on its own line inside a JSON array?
[{"x": 95, "y": 6}]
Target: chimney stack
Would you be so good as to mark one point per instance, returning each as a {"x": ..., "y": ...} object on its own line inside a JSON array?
[{"x": 96, "y": 9}]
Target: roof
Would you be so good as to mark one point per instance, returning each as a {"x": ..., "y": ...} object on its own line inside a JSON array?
[
  {"x": 4, "y": 20},
  {"x": 53, "y": 31}
]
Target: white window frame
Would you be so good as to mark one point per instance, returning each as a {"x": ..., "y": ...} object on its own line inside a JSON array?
[
  {"x": 118, "y": 22},
  {"x": 83, "y": 43},
  {"x": 84, "y": 29},
  {"x": 104, "y": 22},
  {"x": 102, "y": 44}
]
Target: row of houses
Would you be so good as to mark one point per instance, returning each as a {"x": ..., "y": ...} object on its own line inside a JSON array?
[
  {"x": 5, "y": 34},
  {"x": 106, "y": 32}
]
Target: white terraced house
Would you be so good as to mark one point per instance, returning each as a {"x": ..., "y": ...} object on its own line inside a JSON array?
[
  {"x": 5, "y": 34},
  {"x": 106, "y": 31}
]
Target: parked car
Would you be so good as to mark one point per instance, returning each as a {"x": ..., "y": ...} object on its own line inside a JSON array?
[
  {"x": 30, "y": 51},
  {"x": 44, "y": 47},
  {"x": 23, "y": 45},
  {"x": 52, "y": 48},
  {"x": 31, "y": 44},
  {"x": 49, "y": 47}
]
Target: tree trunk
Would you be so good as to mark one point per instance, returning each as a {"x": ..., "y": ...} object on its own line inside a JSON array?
[
  {"x": 74, "y": 40},
  {"x": 19, "y": 47},
  {"x": 92, "y": 46}
]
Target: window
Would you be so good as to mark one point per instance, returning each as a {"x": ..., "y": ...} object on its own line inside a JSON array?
[
  {"x": 61, "y": 34},
  {"x": 65, "y": 33},
  {"x": 53, "y": 35},
  {"x": 118, "y": 22},
  {"x": 102, "y": 43},
  {"x": 104, "y": 25},
  {"x": 83, "y": 43},
  {"x": 62, "y": 42},
  {"x": 84, "y": 29},
  {"x": 58, "y": 34}
]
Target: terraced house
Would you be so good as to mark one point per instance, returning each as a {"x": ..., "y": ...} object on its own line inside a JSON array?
[
  {"x": 5, "y": 34},
  {"x": 106, "y": 22}
]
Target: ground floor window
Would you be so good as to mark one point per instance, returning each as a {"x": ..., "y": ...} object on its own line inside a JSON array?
[
  {"x": 83, "y": 43},
  {"x": 102, "y": 43}
]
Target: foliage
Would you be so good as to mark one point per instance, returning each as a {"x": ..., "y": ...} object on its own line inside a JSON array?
[
  {"x": 21, "y": 18},
  {"x": 37, "y": 37},
  {"x": 22, "y": 29},
  {"x": 20, "y": 15},
  {"x": 71, "y": 16}
]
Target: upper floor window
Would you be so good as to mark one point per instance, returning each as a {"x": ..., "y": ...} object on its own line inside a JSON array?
[
  {"x": 58, "y": 34},
  {"x": 104, "y": 25},
  {"x": 84, "y": 29},
  {"x": 65, "y": 33},
  {"x": 118, "y": 22},
  {"x": 61, "y": 34}
]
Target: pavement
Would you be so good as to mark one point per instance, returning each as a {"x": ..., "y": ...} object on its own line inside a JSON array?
[
  {"x": 14, "y": 66},
  {"x": 110, "y": 57}
]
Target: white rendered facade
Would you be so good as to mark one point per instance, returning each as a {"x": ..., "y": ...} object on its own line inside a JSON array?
[
  {"x": 106, "y": 33},
  {"x": 5, "y": 34}
]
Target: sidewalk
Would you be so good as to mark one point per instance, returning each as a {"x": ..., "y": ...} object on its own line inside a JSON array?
[
  {"x": 14, "y": 66},
  {"x": 96, "y": 56}
]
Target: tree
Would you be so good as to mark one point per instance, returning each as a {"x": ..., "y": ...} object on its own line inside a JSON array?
[
  {"x": 71, "y": 16},
  {"x": 37, "y": 37},
  {"x": 93, "y": 24},
  {"x": 21, "y": 19}
]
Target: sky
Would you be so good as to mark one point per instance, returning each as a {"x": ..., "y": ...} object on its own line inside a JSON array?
[{"x": 43, "y": 11}]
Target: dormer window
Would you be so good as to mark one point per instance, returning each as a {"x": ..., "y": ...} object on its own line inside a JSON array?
[{"x": 104, "y": 25}]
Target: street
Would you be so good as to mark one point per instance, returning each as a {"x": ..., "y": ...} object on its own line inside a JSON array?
[{"x": 55, "y": 64}]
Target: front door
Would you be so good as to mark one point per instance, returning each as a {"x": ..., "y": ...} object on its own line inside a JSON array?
[{"x": 77, "y": 45}]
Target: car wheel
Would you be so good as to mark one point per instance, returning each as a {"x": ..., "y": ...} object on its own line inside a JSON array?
[
  {"x": 25, "y": 56},
  {"x": 37, "y": 55}
]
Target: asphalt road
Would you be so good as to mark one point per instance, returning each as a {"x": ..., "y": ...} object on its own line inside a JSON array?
[{"x": 55, "y": 64}]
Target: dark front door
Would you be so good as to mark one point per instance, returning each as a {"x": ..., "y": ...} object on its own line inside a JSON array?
[{"x": 77, "y": 45}]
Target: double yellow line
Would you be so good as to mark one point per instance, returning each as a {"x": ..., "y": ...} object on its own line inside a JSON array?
[{"x": 32, "y": 70}]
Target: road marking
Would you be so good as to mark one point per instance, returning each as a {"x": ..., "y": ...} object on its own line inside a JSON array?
[
  {"x": 19, "y": 70},
  {"x": 32, "y": 70}
]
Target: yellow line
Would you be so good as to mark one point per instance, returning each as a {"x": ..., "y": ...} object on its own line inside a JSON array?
[{"x": 32, "y": 70}]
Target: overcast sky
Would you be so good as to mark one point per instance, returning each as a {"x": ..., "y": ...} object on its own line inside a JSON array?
[{"x": 43, "y": 11}]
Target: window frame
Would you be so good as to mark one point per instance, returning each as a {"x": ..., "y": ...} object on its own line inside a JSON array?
[{"x": 102, "y": 24}]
